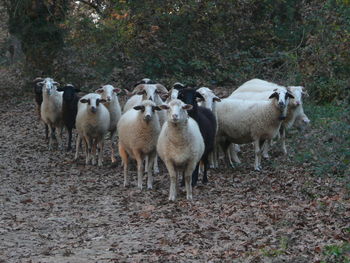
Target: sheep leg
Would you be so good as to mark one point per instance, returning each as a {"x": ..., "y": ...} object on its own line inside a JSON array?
[
  {"x": 123, "y": 154},
  {"x": 100, "y": 153},
  {"x": 149, "y": 171},
  {"x": 257, "y": 152},
  {"x": 155, "y": 165},
  {"x": 194, "y": 176},
  {"x": 93, "y": 151},
  {"x": 59, "y": 138},
  {"x": 265, "y": 148},
  {"x": 46, "y": 132},
  {"x": 283, "y": 137},
  {"x": 88, "y": 143},
  {"x": 77, "y": 145},
  {"x": 205, "y": 170},
  {"x": 188, "y": 183},
  {"x": 51, "y": 131},
  {"x": 173, "y": 182},
  {"x": 233, "y": 153},
  {"x": 216, "y": 156},
  {"x": 146, "y": 164},
  {"x": 113, "y": 159},
  {"x": 69, "y": 146},
  {"x": 139, "y": 161}
]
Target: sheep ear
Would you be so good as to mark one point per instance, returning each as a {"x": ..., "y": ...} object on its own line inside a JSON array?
[
  {"x": 128, "y": 93},
  {"x": 164, "y": 96},
  {"x": 164, "y": 107},
  {"x": 274, "y": 95},
  {"x": 156, "y": 108},
  {"x": 60, "y": 89},
  {"x": 199, "y": 99},
  {"x": 290, "y": 95},
  {"x": 84, "y": 101},
  {"x": 139, "y": 107},
  {"x": 102, "y": 100},
  {"x": 141, "y": 92},
  {"x": 199, "y": 96},
  {"x": 187, "y": 107},
  {"x": 217, "y": 99},
  {"x": 117, "y": 90},
  {"x": 100, "y": 90}
]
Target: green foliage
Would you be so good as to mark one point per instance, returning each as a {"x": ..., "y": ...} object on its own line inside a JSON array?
[{"x": 337, "y": 253}]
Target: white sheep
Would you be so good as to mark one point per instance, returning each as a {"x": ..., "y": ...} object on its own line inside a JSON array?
[
  {"x": 51, "y": 110},
  {"x": 92, "y": 123},
  {"x": 138, "y": 131},
  {"x": 109, "y": 93},
  {"x": 245, "y": 121},
  {"x": 148, "y": 92},
  {"x": 257, "y": 89},
  {"x": 180, "y": 145}
]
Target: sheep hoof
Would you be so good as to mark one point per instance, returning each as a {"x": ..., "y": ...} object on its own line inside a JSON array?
[
  {"x": 258, "y": 169},
  {"x": 266, "y": 156},
  {"x": 189, "y": 197},
  {"x": 156, "y": 171},
  {"x": 149, "y": 187},
  {"x": 172, "y": 198}
]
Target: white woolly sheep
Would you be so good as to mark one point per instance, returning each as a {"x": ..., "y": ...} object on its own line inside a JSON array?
[
  {"x": 148, "y": 92},
  {"x": 109, "y": 94},
  {"x": 92, "y": 124},
  {"x": 51, "y": 110},
  {"x": 138, "y": 131},
  {"x": 257, "y": 89},
  {"x": 245, "y": 121},
  {"x": 180, "y": 145}
]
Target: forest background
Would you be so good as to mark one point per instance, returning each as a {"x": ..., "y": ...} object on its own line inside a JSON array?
[{"x": 203, "y": 42}]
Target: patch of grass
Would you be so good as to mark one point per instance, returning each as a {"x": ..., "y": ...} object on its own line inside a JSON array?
[
  {"x": 327, "y": 142},
  {"x": 337, "y": 253}
]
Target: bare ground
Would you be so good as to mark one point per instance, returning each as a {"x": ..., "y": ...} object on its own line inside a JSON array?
[{"x": 53, "y": 209}]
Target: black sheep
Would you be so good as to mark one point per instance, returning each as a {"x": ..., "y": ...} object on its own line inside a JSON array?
[
  {"x": 69, "y": 109},
  {"x": 207, "y": 125}
]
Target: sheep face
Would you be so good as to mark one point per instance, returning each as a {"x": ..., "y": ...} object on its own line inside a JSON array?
[
  {"x": 298, "y": 92},
  {"x": 281, "y": 97},
  {"x": 93, "y": 103},
  {"x": 177, "y": 111},
  {"x": 48, "y": 85},
  {"x": 107, "y": 91},
  {"x": 173, "y": 94},
  {"x": 209, "y": 97},
  {"x": 190, "y": 96},
  {"x": 150, "y": 91},
  {"x": 68, "y": 92},
  {"x": 147, "y": 108}
]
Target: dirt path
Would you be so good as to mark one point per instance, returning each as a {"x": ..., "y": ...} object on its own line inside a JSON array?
[{"x": 55, "y": 210}]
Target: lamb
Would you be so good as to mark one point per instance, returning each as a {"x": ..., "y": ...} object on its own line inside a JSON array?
[
  {"x": 244, "y": 121},
  {"x": 51, "y": 109},
  {"x": 69, "y": 109},
  {"x": 257, "y": 89},
  {"x": 209, "y": 101},
  {"x": 207, "y": 125},
  {"x": 138, "y": 133},
  {"x": 92, "y": 123},
  {"x": 109, "y": 93},
  {"x": 180, "y": 145},
  {"x": 38, "y": 93}
]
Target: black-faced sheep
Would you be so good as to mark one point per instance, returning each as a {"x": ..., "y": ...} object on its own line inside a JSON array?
[{"x": 69, "y": 109}]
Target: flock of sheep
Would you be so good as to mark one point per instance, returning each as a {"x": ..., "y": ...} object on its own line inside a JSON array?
[{"x": 184, "y": 126}]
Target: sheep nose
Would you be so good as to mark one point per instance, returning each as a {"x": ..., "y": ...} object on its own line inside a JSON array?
[
  {"x": 175, "y": 116},
  {"x": 108, "y": 98},
  {"x": 93, "y": 109},
  {"x": 147, "y": 118},
  {"x": 298, "y": 102},
  {"x": 281, "y": 104}
]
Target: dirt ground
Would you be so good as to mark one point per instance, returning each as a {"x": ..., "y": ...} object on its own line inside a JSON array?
[{"x": 53, "y": 209}]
